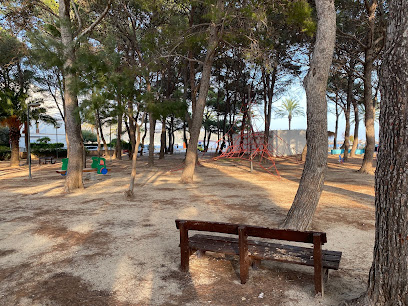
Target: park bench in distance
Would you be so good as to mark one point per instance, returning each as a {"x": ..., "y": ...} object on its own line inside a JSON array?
[
  {"x": 253, "y": 251},
  {"x": 46, "y": 159}
]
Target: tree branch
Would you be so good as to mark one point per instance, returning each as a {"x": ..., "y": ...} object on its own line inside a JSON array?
[
  {"x": 352, "y": 37},
  {"x": 78, "y": 18},
  {"x": 96, "y": 22},
  {"x": 46, "y": 8},
  {"x": 185, "y": 57}
]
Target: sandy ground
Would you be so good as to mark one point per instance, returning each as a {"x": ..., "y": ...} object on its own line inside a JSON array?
[{"x": 94, "y": 247}]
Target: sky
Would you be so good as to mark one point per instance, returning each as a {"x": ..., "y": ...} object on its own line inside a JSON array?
[{"x": 297, "y": 92}]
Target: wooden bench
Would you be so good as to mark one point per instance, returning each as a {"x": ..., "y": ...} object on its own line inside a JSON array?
[
  {"x": 253, "y": 251},
  {"x": 46, "y": 159}
]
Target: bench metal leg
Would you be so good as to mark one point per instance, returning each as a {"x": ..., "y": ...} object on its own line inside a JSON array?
[
  {"x": 318, "y": 264},
  {"x": 243, "y": 255}
]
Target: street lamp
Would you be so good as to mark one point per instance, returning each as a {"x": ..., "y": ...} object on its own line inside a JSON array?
[{"x": 33, "y": 104}]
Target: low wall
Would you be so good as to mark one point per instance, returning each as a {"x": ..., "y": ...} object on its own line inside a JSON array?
[
  {"x": 281, "y": 142},
  {"x": 287, "y": 142}
]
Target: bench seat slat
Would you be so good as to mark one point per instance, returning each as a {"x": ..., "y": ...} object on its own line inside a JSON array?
[{"x": 264, "y": 250}]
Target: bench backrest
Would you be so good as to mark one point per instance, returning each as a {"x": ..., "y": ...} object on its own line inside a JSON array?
[{"x": 254, "y": 231}]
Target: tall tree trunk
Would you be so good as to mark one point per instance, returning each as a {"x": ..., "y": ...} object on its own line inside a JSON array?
[
  {"x": 367, "y": 166},
  {"x": 26, "y": 127},
  {"x": 144, "y": 135},
  {"x": 132, "y": 130},
  {"x": 350, "y": 84},
  {"x": 171, "y": 135},
  {"x": 129, "y": 193},
  {"x": 14, "y": 135},
  {"x": 346, "y": 144},
  {"x": 72, "y": 120},
  {"x": 98, "y": 139},
  {"x": 270, "y": 87},
  {"x": 163, "y": 139},
  {"x": 350, "y": 81},
  {"x": 356, "y": 127},
  {"x": 152, "y": 127},
  {"x": 119, "y": 132},
  {"x": 205, "y": 139},
  {"x": 336, "y": 129},
  {"x": 191, "y": 156},
  {"x": 105, "y": 146},
  {"x": 290, "y": 120},
  {"x": 185, "y": 134},
  {"x": 208, "y": 140},
  {"x": 311, "y": 183},
  {"x": 304, "y": 153},
  {"x": 388, "y": 278}
]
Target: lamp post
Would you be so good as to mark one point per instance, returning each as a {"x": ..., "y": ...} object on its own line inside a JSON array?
[{"x": 34, "y": 104}]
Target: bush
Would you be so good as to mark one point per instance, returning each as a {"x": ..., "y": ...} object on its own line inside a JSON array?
[
  {"x": 48, "y": 149},
  {"x": 125, "y": 145},
  {"x": 88, "y": 136},
  {"x": 43, "y": 140},
  {"x": 5, "y": 153},
  {"x": 4, "y": 135}
]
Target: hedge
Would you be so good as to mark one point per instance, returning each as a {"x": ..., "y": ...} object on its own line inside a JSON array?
[
  {"x": 48, "y": 149},
  {"x": 5, "y": 152}
]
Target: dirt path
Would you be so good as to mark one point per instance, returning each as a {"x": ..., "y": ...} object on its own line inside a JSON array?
[{"x": 93, "y": 247}]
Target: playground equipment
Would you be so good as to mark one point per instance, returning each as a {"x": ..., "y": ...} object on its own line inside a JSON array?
[
  {"x": 98, "y": 165},
  {"x": 245, "y": 141},
  {"x": 249, "y": 143}
]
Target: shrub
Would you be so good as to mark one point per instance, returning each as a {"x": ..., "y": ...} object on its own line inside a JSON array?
[
  {"x": 4, "y": 135},
  {"x": 43, "y": 140},
  {"x": 88, "y": 136},
  {"x": 5, "y": 153},
  {"x": 125, "y": 145},
  {"x": 48, "y": 149}
]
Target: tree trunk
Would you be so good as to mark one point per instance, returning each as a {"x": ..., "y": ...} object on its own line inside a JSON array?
[
  {"x": 387, "y": 284},
  {"x": 98, "y": 139},
  {"x": 304, "y": 153},
  {"x": 367, "y": 166},
  {"x": 350, "y": 84},
  {"x": 119, "y": 133},
  {"x": 356, "y": 127},
  {"x": 72, "y": 120},
  {"x": 350, "y": 81},
  {"x": 152, "y": 127},
  {"x": 105, "y": 146},
  {"x": 129, "y": 193},
  {"x": 208, "y": 140},
  {"x": 346, "y": 144},
  {"x": 26, "y": 127},
  {"x": 191, "y": 156},
  {"x": 163, "y": 139},
  {"x": 290, "y": 120},
  {"x": 311, "y": 183},
  {"x": 270, "y": 87},
  {"x": 336, "y": 130},
  {"x": 15, "y": 146},
  {"x": 171, "y": 135},
  {"x": 144, "y": 135},
  {"x": 132, "y": 130}
]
